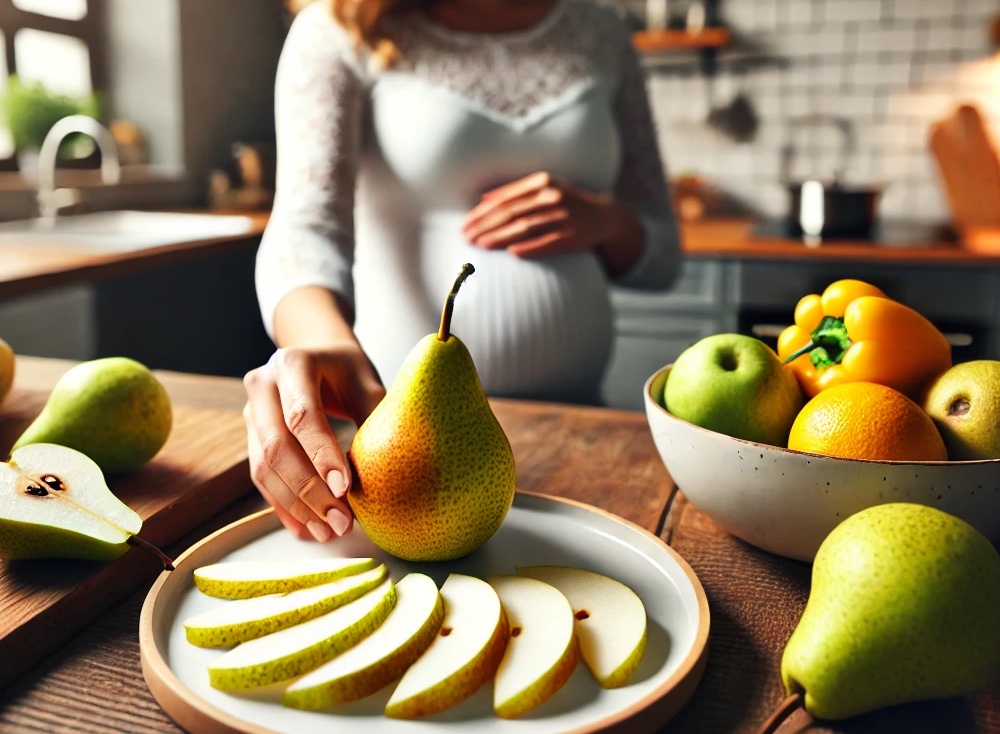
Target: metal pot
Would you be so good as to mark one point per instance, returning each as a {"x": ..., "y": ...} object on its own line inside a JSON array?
[{"x": 827, "y": 208}]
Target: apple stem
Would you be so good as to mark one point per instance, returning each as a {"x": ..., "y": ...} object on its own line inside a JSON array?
[
  {"x": 785, "y": 709},
  {"x": 145, "y": 545},
  {"x": 449, "y": 303}
]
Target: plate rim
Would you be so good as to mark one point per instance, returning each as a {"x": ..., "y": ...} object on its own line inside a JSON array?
[{"x": 195, "y": 714}]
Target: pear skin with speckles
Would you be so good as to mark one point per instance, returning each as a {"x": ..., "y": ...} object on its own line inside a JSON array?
[
  {"x": 903, "y": 607},
  {"x": 434, "y": 471}
]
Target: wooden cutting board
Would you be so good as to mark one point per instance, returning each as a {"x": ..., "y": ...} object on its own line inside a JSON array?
[
  {"x": 969, "y": 167},
  {"x": 201, "y": 469}
]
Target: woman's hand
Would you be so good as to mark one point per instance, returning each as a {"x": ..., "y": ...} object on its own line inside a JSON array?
[
  {"x": 542, "y": 215},
  {"x": 296, "y": 461}
]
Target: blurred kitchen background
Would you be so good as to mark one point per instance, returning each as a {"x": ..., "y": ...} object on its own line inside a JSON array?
[{"x": 806, "y": 140}]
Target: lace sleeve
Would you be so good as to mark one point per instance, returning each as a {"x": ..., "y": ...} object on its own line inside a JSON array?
[
  {"x": 319, "y": 94},
  {"x": 642, "y": 185}
]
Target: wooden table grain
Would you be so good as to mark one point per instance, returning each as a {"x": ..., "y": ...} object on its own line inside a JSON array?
[{"x": 602, "y": 457}]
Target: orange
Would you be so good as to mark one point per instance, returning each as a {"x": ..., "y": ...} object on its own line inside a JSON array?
[{"x": 863, "y": 420}]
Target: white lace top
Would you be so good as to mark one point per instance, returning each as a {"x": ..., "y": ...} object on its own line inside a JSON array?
[{"x": 377, "y": 169}]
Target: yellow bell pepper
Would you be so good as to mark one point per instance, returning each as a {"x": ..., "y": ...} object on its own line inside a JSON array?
[{"x": 855, "y": 333}]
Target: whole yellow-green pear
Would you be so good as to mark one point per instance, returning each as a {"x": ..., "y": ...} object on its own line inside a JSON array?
[
  {"x": 434, "y": 469},
  {"x": 903, "y": 607},
  {"x": 6, "y": 369},
  {"x": 113, "y": 409},
  {"x": 964, "y": 402}
]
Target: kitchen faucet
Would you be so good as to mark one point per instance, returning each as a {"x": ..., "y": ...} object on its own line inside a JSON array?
[{"x": 51, "y": 199}]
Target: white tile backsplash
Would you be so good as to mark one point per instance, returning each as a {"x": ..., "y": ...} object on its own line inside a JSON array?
[{"x": 890, "y": 67}]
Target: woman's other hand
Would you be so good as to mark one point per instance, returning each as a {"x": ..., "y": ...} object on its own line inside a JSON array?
[
  {"x": 542, "y": 215},
  {"x": 296, "y": 462}
]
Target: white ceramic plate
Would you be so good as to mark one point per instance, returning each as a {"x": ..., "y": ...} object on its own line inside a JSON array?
[{"x": 538, "y": 530}]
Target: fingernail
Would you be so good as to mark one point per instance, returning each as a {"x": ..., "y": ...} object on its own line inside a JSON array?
[
  {"x": 338, "y": 521},
  {"x": 337, "y": 483},
  {"x": 319, "y": 531}
]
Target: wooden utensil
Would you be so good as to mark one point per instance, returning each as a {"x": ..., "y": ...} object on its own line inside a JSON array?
[{"x": 969, "y": 167}]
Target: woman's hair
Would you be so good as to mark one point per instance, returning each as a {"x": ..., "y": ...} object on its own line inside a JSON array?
[{"x": 362, "y": 19}]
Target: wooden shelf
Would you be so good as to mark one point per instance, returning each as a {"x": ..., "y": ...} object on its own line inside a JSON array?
[{"x": 679, "y": 40}]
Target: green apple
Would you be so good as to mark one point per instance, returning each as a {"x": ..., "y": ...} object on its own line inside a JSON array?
[
  {"x": 462, "y": 657},
  {"x": 245, "y": 579},
  {"x": 54, "y": 503},
  {"x": 610, "y": 620},
  {"x": 296, "y": 650},
  {"x": 736, "y": 385},
  {"x": 247, "y": 619},
  {"x": 380, "y": 658},
  {"x": 903, "y": 607},
  {"x": 964, "y": 402},
  {"x": 542, "y": 653}
]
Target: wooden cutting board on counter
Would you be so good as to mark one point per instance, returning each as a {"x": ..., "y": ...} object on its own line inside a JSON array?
[{"x": 201, "y": 469}]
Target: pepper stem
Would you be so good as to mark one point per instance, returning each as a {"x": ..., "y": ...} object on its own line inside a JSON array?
[
  {"x": 449, "y": 303},
  {"x": 799, "y": 352}
]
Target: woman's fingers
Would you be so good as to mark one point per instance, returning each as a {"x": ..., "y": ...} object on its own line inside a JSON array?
[
  {"x": 521, "y": 228},
  {"x": 538, "y": 188}
]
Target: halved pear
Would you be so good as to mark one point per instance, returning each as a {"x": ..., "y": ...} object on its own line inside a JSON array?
[
  {"x": 610, "y": 620},
  {"x": 380, "y": 658},
  {"x": 542, "y": 652},
  {"x": 247, "y": 619},
  {"x": 244, "y": 579},
  {"x": 55, "y": 503},
  {"x": 464, "y": 654},
  {"x": 296, "y": 650}
]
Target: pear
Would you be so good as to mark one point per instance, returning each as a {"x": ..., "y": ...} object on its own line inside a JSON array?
[
  {"x": 610, "y": 620},
  {"x": 247, "y": 619},
  {"x": 542, "y": 653},
  {"x": 435, "y": 471},
  {"x": 462, "y": 657},
  {"x": 114, "y": 410},
  {"x": 380, "y": 658},
  {"x": 6, "y": 369},
  {"x": 903, "y": 607},
  {"x": 296, "y": 650},
  {"x": 964, "y": 402},
  {"x": 245, "y": 579},
  {"x": 55, "y": 503}
]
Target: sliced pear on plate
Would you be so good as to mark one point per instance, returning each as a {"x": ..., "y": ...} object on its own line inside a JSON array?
[
  {"x": 296, "y": 650},
  {"x": 380, "y": 658},
  {"x": 461, "y": 658},
  {"x": 244, "y": 579},
  {"x": 610, "y": 620},
  {"x": 55, "y": 503},
  {"x": 246, "y": 619},
  {"x": 542, "y": 652}
]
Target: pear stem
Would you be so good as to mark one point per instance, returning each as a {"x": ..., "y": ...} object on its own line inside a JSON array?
[
  {"x": 145, "y": 545},
  {"x": 449, "y": 303},
  {"x": 780, "y": 715}
]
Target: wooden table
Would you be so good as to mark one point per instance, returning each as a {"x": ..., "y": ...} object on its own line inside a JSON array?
[{"x": 603, "y": 457}]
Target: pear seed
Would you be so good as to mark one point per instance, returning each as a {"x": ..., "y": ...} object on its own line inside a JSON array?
[
  {"x": 36, "y": 491},
  {"x": 53, "y": 482}
]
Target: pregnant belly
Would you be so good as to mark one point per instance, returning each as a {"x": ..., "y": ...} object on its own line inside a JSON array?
[{"x": 537, "y": 328}]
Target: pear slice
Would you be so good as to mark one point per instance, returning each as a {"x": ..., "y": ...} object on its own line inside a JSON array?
[
  {"x": 247, "y": 619},
  {"x": 380, "y": 658},
  {"x": 542, "y": 652},
  {"x": 296, "y": 650},
  {"x": 55, "y": 503},
  {"x": 245, "y": 579},
  {"x": 610, "y": 620},
  {"x": 464, "y": 654}
]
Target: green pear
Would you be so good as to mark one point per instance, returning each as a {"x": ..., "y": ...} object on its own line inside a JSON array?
[
  {"x": 247, "y": 619},
  {"x": 380, "y": 658},
  {"x": 964, "y": 402},
  {"x": 903, "y": 607},
  {"x": 246, "y": 579},
  {"x": 114, "y": 410},
  {"x": 298, "y": 649},
  {"x": 435, "y": 471},
  {"x": 54, "y": 503}
]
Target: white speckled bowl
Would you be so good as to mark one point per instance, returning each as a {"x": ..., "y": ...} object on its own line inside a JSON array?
[{"x": 786, "y": 502}]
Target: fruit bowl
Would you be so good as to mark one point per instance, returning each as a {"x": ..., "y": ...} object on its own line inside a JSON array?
[{"x": 786, "y": 501}]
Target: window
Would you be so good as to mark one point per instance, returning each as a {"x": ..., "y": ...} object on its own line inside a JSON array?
[{"x": 55, "y": 43}]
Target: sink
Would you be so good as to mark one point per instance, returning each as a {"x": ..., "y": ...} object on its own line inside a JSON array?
[{"x": 122, "y": 231}]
